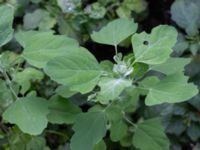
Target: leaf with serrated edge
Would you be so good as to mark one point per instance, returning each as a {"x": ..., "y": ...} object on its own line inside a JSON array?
[
  {"x": 29, "y": 114},
  {"x": 172, "y": 89},
  {"x": 115, "y": 32},
  {"x": 154, "y": 48},
  {"x": 79, "y": 71},
  {"x": 40, "y": 47},
  {"x": 89, "y": 129},
  {"x": 149, "y": 135}
]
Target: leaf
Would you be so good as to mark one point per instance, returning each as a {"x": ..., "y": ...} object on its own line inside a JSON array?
[
  {"x": 45, "y": 46},
  {"x": 89, "y": 129},
  {"x": 150, "y": 135},
  {"x": 62, "y": 111},
  {"x": 171, "y": 66},
  {"x": 154, "y": 48},
  {"x": 5, "y": 96},
  {"x": 29, "y": 114},
  {"x": 111, "y": 88},
  {"x": 95, "y": 10},
  {"x": 118, "y": 131},
  {"x": 65, "y": 92},
  {"x": 188, "y": 21},
  {"x": 100, "y": 146},
  {"x": 6, "y": 21},
  {"x": 25, "y": 77},
  {"x": 115, "y": 32},
  {"x": 79, "y": 71},
  {"x": 39, "y": 18},
  {"x": 193, "y": 132},
  {"x": 172, "y": 89}
]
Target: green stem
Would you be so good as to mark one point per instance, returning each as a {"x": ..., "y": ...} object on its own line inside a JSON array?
[
  {"x": 116, "y": 50},
  {"x": 57, "y": 133},
  {"x": 128, "y": 120}
]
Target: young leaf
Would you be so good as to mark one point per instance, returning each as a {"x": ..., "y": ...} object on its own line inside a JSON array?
[
  {"x": 89, "y": 129},
  {"x": 40, "y": 47},
  {"x": 62, "y": 111},
  {"x": 154, "y": 48},
  {"x": 171, "y": 66},
  {"x": 6, "y": 21},
  {"x": 29, "y": 114},
  {"x": 115, "y": 32},
  {"x": 25, "y": 77},
  {"x": 188, "y": 21},
  {"x": 172, "y": 89},
  {"x": 150, "y": 135},
  {"x": 79, "y": 71},
  {"x": 111, "y": 88}
]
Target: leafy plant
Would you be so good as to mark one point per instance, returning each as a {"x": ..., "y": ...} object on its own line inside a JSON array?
[
  {"x": 189, "y": 22},
  {"x": 110, "y": 90}
]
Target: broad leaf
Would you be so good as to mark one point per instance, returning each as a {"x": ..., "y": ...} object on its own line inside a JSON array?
[
  {"x": 118, "y": 131},
  {"x": 29, "y": 114},
  {"x": 79, "y": 71},
  {"x": 115, "y": 32},
  {"x": 189, "y": 21},
  {"x": 6, "y": 20},
  {"x": 25, "y": 77},
  {"x": 172, "y": 89},
  {"x": 89, "y": 129},
  {"x": 171, "y": 66},
  {"x": 40, "y": 47},
  {"x": 62, "y": 111},
  {"x": 150, "y": 135},
  {"x": 154, "y": 48},
  {"x": 111, "y": 88}
]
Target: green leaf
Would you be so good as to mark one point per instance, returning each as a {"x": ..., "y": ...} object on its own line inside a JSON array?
[
  {"x": 118, "y": 131},
  {"x": 115, "y": 32},
  {"x": 188, "y": 21},
  {"x": 29, "y": 114},
  {"x": 150, "y": 135},
  {"x": 6, "y": 21},
  {"x": 171, "y": 66},
  {"x": 45, "y": 46},
  {"x": 62, "y": 111},
  {"x": 111, "y": 88},
  {"x": 154, "y": 48},
  {"x": 79, "y": 71},
  {"x": 25, "y": 77},
  {"x": 95, "y": 10},
  {"x": 65, "y": 92},
  {"x": 100, "y": 146},
  {"x": 172, "y": 89},
  {"x": 89, "y": 129},
  {"x": 39, "y": 18},
  {"x": 5, "y": 96}
]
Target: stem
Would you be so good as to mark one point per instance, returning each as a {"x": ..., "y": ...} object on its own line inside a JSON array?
[
  {"x": 128, "y": 120},
  {"x": 116, "y": 50},
  {"x": 57, "y": 133},
  {"x": 8, "y": 82}
]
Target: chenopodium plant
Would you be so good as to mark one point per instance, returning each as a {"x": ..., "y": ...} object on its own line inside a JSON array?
[{"x": 113, "y": 89}]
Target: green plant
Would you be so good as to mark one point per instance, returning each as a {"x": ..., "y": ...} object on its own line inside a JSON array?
[
  {"x": 111, "y": 90},
  {"x": 190, "y": 39}
]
